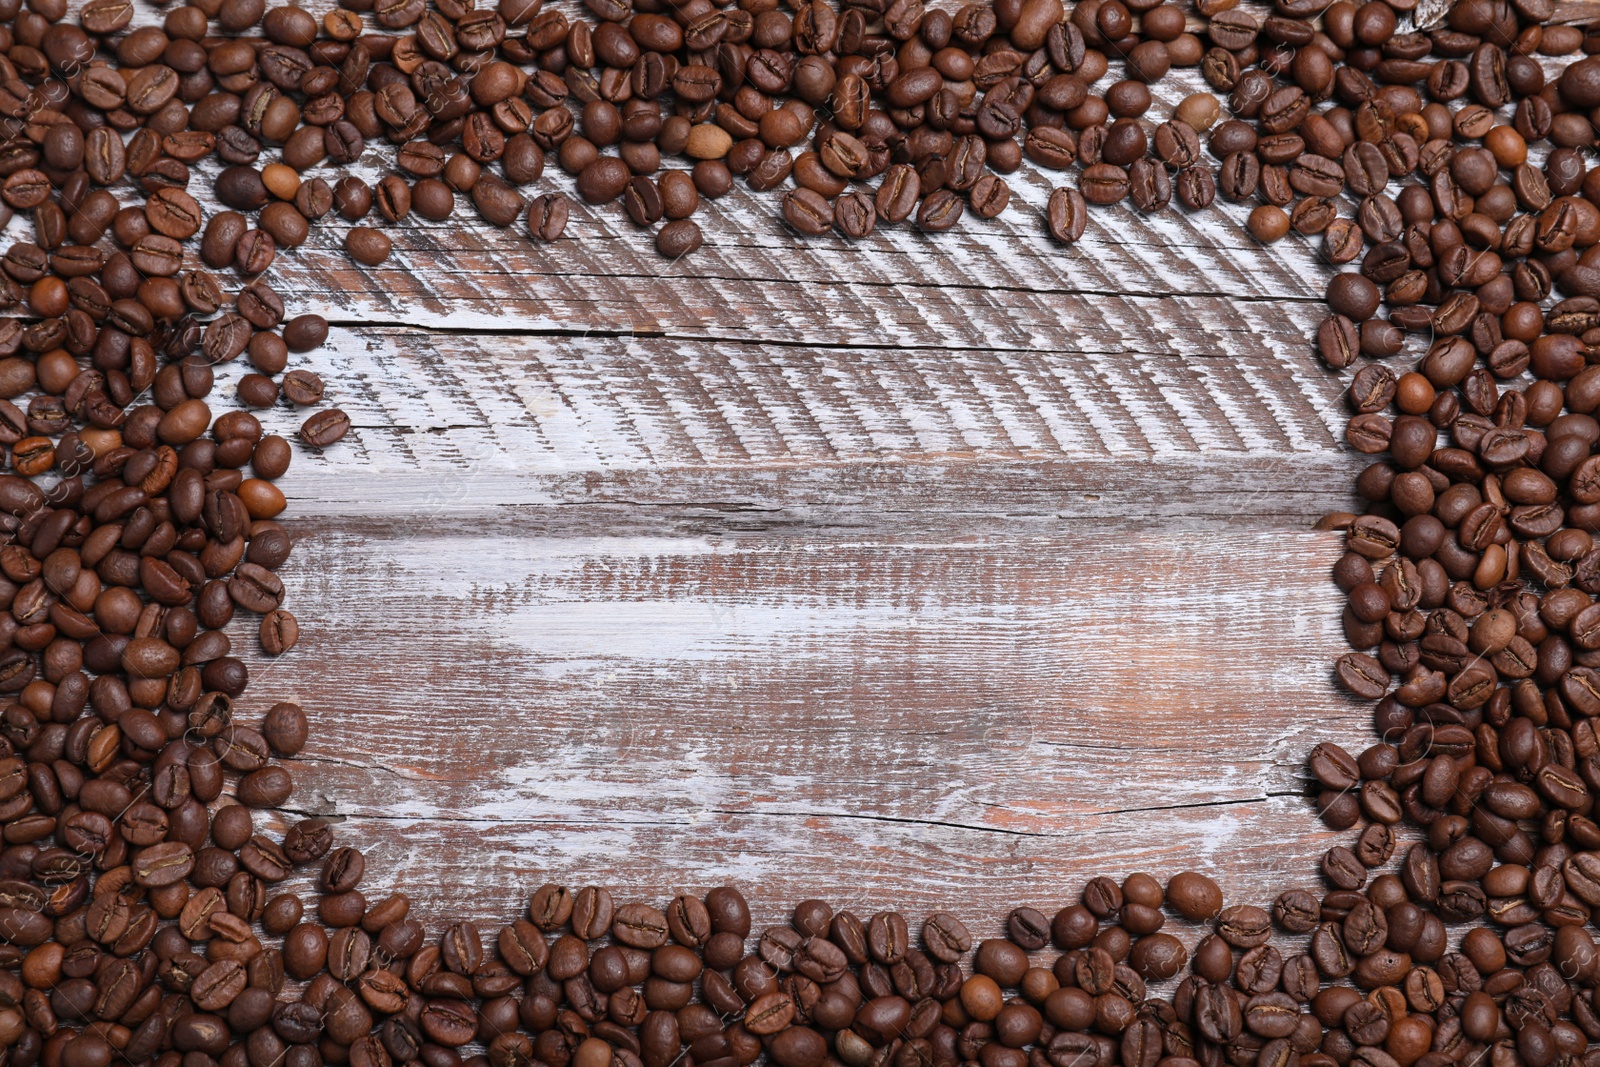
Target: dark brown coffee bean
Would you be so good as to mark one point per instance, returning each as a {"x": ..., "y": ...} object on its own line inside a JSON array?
[
  {"x": 325, "y": 428},
  {"x": 855, "y": 215},
  {"x": 367, "y": 246},
  {"x": 940, "y": 211},
  {"x": 898, "y": 193},
  {"x": 679, "y": 238},
  {"x": 603, "y": 180},
  {"x": 547, "y": 216},
  {"x": 1104, "y": 183},
  {"x": 808, "y": 212},
  {"x": 496, "y": 201},
  {"x": 642, "y": 201},
  {"x": 1067, "y": 215}
]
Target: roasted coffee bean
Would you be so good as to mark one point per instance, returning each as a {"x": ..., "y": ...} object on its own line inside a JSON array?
[
  {"x": 808, "y": 211},
  {"x": 303, "y": 333},
  {"x": 367, "y": 246},
  {"x": 1067, "y": 215},
  {"x": 496, "y": 201},
  {"x": 325, "y": 428},
  {"x": 279, "y": 632},
  {"x": 678, "y": 238},
  {"x": 547, "y": 216},
  {"x": 1104, "y": 183},
  {"x": 302, "y": 387}
]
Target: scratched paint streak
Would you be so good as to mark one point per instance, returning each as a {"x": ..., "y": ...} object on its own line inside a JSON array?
[{"x": 987, "y": 396}]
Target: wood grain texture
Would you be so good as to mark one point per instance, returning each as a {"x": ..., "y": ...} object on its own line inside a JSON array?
[
  {"x": 988, "y": 718},
  {"x": 482, "y": 421}
]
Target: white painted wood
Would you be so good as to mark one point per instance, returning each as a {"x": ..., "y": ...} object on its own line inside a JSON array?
[{"x": 473, "y": 420}]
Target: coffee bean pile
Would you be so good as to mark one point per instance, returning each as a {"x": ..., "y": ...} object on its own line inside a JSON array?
[
  {"x": 930, "y": 106},
  {"x": 1471, "y": 571},
  {"x": 142, "y": 915},
  {"x": 1471, "y": 575}
]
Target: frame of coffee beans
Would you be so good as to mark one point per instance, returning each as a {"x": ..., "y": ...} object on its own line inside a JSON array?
[{"x": 143, "y": 919}]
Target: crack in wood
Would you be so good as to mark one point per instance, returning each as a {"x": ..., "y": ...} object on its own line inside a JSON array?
[
  {"x": 377, "y": 325},
  {"x": 690, "y": 817},
  {"x": 1146, "y": 296},
  {"x": 407, "y": 773}
]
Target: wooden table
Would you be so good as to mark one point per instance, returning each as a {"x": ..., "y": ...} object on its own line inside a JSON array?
[{"x": 926, "y": 571}]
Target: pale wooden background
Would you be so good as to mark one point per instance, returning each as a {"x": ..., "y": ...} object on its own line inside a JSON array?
[
  {"x": 928, "y": 571},
  {"x": 925, "y": 572}
]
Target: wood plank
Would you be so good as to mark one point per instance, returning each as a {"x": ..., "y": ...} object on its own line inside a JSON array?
[
  {"x": 1198, "y": 281},
  {"x": 1254, "y": 493},
  {"x": 769, "y": 370},
  {"x": 994, "y": 715},
  {"x": 452, "y": 422}
]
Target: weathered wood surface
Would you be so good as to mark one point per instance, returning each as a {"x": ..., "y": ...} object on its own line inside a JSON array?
[
  {"x": 982, "y": 717},
  {"x": 941, "y": 626},
  {"x": 452, "y": 421},
  {"x": 921, "y": 571}
]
